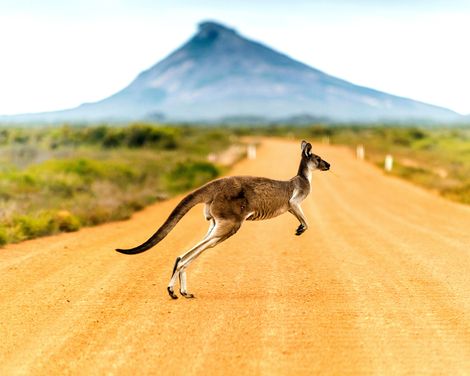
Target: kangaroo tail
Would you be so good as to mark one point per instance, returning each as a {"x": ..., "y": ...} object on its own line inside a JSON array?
[{"x": 181, "y": 209}]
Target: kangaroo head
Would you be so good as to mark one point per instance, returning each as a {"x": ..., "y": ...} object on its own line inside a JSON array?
[{"x": 314, "y": 161}]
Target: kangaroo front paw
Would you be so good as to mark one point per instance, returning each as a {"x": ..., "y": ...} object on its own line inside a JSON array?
[
  {"x": 300, "y": 230},
  {"x": 172, "y": 293}
]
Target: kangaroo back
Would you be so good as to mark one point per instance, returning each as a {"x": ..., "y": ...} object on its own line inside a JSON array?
[{"x": 178, "y": 212}]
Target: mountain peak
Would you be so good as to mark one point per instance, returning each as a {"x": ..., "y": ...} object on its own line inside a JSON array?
[
  {"x": 212, "y": 26},
  {"x": 212, "y": 30}
]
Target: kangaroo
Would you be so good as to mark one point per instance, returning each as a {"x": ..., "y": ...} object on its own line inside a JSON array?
[{"x": 232, "y": 200}]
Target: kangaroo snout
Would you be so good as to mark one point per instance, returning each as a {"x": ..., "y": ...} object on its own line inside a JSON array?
[{"x": 324, "y": 166}]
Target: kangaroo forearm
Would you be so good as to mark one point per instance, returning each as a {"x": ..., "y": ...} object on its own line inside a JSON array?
[{"x": 297, "y": 212}]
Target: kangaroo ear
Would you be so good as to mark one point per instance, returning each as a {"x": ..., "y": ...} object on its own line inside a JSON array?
[
  {"x": 303, "y": 145},
  {"x": 306, "y": 148}
]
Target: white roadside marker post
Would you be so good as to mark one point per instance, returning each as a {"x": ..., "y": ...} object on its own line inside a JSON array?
[
  {"x": 212, "y": 157},
  {"x": 360, "y": 152},
  {"x": 388, "y": 163},
  {"x": 251, "y": 151}
]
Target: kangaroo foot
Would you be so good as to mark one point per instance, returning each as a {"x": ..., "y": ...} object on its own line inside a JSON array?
[
  {"x": 187, "y": 295},
  {"x": 300, "y": 230},
  {"x": 172, "y": 293}
]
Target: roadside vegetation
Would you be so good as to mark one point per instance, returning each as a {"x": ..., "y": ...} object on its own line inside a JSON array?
[
  {"x": 60, "y": 179},
  {"x": 437, "y": 158}
]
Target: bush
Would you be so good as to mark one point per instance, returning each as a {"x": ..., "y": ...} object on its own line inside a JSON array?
[
  {"x": 140, "y": 135},
  {"x": 66, "y": 221},
  {"x": 34, "y": 226},
  {"x": 112, "y": 140},
  {"x": 460, "y": 193},
  {"x": 185, "y": 176},
  {"x": 3, "y": 236},
  {"x": 82, "y": 167},
  {"x": 41, "y": 224}
]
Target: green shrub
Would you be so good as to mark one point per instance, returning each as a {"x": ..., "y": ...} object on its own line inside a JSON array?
[
  {"x": 102, "y": 214},
  {"x": 85, "y": 170},
  {"x": 3, "y": 236},
  {"x": 82, "y": 167},
  {"x": 96, "y": 135},
  {"x": 66, "y": 221},
  {"x": 185, "y": 176},
  {"x": 140, "y": 135},
  {"x": 63, "y": 186},
  {"x": 33, "y": 226},
  {"x": 112, "y": 140},
  {"x": 43, "y": 223},
  {"x": 459, "y": 194}
]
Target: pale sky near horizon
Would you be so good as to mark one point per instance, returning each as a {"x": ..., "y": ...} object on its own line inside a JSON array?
[{"x": 59, "y": 54}]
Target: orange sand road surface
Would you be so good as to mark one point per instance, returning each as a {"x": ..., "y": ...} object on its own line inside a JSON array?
[{"x": 379, "y": 284}]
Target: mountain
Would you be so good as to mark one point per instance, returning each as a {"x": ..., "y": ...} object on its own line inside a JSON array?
[{"x": 220, "y": 74}]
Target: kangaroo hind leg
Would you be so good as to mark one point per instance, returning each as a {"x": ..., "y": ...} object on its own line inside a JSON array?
[
  {"x": 221, "y": 231},
  {"x": 177, "y": 267}
]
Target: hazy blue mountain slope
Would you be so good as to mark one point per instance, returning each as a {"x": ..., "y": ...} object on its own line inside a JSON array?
[{"x": 219, "y": 73}]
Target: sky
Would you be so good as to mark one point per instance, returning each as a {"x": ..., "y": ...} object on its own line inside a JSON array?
[{"x": 58, "y": 54}]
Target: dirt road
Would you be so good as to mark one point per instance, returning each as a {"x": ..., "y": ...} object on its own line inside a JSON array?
[{"x": 379, "y": 284}]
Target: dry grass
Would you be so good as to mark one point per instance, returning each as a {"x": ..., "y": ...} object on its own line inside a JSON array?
[{"x": 54, "y": 180}]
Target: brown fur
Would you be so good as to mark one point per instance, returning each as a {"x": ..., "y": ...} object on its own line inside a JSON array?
[{"x": 230, "y": 201}]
